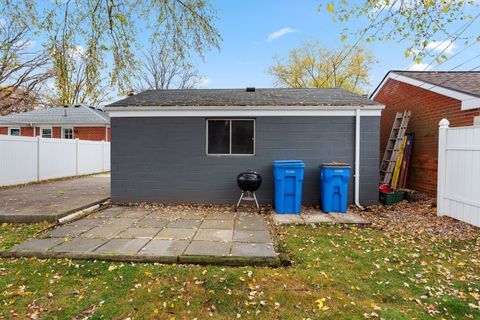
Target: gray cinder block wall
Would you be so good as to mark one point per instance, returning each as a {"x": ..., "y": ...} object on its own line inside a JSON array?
[{"x": 163, "y": 160}]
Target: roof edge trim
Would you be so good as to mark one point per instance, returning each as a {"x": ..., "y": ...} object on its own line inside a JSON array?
[{"x": 267, "y": 111}]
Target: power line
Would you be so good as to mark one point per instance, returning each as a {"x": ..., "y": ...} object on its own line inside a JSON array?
[
  {"x": 353, "y": 47},
  {"x": 452, "y": 41},
  {"x": 442, "y": 42},
  {"x": 453, "y": 56},
  {"x": 465, "y": 62}
]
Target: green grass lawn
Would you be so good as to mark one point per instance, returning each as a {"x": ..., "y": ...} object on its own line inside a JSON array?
[{"x": 336, "y": 273}]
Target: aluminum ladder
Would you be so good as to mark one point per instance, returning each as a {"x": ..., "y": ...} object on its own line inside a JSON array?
[{"x": 394, "y": 144}]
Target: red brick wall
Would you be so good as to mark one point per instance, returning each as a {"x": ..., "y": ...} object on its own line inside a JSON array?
[
  {"x": 428, "y": 108},
  {"x": 82, "y": 133},
  {"x": 91, "y": 133},
  {"x": 26, "y": 132},
  {"x": 57, "y": 132}
]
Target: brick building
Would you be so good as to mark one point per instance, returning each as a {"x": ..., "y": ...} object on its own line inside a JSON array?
[
  {"x": 431, "y": 96},
  {"x": 82, "y": 122}
]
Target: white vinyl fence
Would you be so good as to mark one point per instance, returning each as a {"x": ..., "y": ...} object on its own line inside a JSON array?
[
  {"x": 458, "y": 188},
  {"x": 28, "y": 159}
]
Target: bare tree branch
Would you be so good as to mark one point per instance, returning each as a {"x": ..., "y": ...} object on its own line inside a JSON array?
[
  {"x": 161, "y": 69},
  {"x": 22, "y": 71}
]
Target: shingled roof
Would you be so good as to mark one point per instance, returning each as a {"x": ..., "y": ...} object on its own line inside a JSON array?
[
  {"x": 59, "y": 115},
  {"x": 462, "y": 81},
  {"x": 240, "y": 97}
]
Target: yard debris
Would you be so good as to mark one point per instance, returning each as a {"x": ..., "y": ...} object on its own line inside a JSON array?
[{"x": 418, "y": 219}]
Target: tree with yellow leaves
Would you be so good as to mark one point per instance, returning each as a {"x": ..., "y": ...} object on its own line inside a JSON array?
[{"x": 314, "y": 66}]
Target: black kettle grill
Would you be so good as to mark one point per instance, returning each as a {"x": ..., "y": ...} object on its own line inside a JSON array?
[{"x": 249, "y": 182}]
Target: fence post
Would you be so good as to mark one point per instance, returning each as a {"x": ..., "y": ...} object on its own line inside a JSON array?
[
  {"x": 442, "y": 166},
  {"x": 39, "y": 139},
  {"x": 76, "y": 156}
]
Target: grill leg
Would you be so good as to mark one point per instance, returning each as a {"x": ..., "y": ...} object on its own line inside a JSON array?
[
  {"x": 239, "y": 200},
  {"x": 256, "y": 202}
]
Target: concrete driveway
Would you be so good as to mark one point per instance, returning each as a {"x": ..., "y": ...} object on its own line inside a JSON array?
[{"x": 51, "y": 201}]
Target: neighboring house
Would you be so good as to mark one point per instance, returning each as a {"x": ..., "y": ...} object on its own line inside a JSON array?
[
  {"x": 188, "y": 146},
  {"x": 82, "y": 122},
  {"x": 431, "y": 96}
]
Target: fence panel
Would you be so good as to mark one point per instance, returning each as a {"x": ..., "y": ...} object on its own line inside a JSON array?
[
  {"x": 18, "y": 160},
  {"x": 28, "y": 159},
  {"x": 90, "y": 157},
  {"x": 57, "y": 158},
  {"x": 459, "y": 173}
]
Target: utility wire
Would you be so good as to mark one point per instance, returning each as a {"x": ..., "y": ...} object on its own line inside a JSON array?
[
  {"x": 452, "y": 41},
  {"x": 352, "y": 47},
  {"x": 453, "y": 56}
]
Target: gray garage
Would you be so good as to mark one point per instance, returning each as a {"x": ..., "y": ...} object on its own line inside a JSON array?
[{"x": 187, "y": 146}]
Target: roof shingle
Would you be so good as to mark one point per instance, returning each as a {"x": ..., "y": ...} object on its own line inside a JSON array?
[
  {"x": 240, "y": 97},
  {"x": 59, "y": 115}
]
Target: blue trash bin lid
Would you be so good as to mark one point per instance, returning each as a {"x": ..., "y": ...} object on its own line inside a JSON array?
[
  {"x": 288, "y": 163},
  {"x": 335, "y": 165}
]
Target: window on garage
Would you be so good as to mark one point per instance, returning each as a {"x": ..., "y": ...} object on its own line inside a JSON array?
[{"x": 230, "y": 137}]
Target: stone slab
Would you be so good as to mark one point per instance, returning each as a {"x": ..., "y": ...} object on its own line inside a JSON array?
[
  {"x": 176, "y": 234},
  {"x": 132, "y": 214},
  {"x": 217, "y": 224},
  {"x": 252, "y": 236},
  {"x": 164, "y": 248},
  {"x": 220, "y": 216},
  {"x": 151, "y": 222},
  {"x": 317, "y": 218},
  {"x": 104, "y": 231},
  {"x": 108, "y": 213},
  {"x": 139, "y": 233},
  {"x": 253, "y": 250},
  {"x": 120, "y": 222},
  {"x": 86, "y": 224},
  {"x": 185, "y": 224},
  {"x": 37, "y": 245},
  {"x": 288, "y": 219},
  {"x": 53, "y": 200},
  {"x": 256, "y": 223},
  {"x": 208, "y": 248},
  {"x": 348, "y": 218},
  {"x": 79, "y": 245},
  {"x": 122, "y": 246},
  {"x": 66, "y": 231},
  {"x": 214, "y": 235}
]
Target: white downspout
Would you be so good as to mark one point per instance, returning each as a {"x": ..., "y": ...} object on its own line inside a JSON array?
[{"x": 357, "y": 159}]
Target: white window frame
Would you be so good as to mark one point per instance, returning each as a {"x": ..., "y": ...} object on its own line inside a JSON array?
[
  {"x": 230, "y": 143},
  {"x": 14, "y": 128},
  {"x": 46, "y": 128},
  {"x": 63, "y": 132}
]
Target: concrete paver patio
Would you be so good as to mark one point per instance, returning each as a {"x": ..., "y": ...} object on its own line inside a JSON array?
[
  {"x": 53, "y": 200},
  {"x": 159, "y": 234}
]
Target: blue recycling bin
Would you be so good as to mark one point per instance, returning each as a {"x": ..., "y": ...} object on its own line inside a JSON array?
[
  {"x": 288, "y": 176},
  {"x": 334, "y": 187}
]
